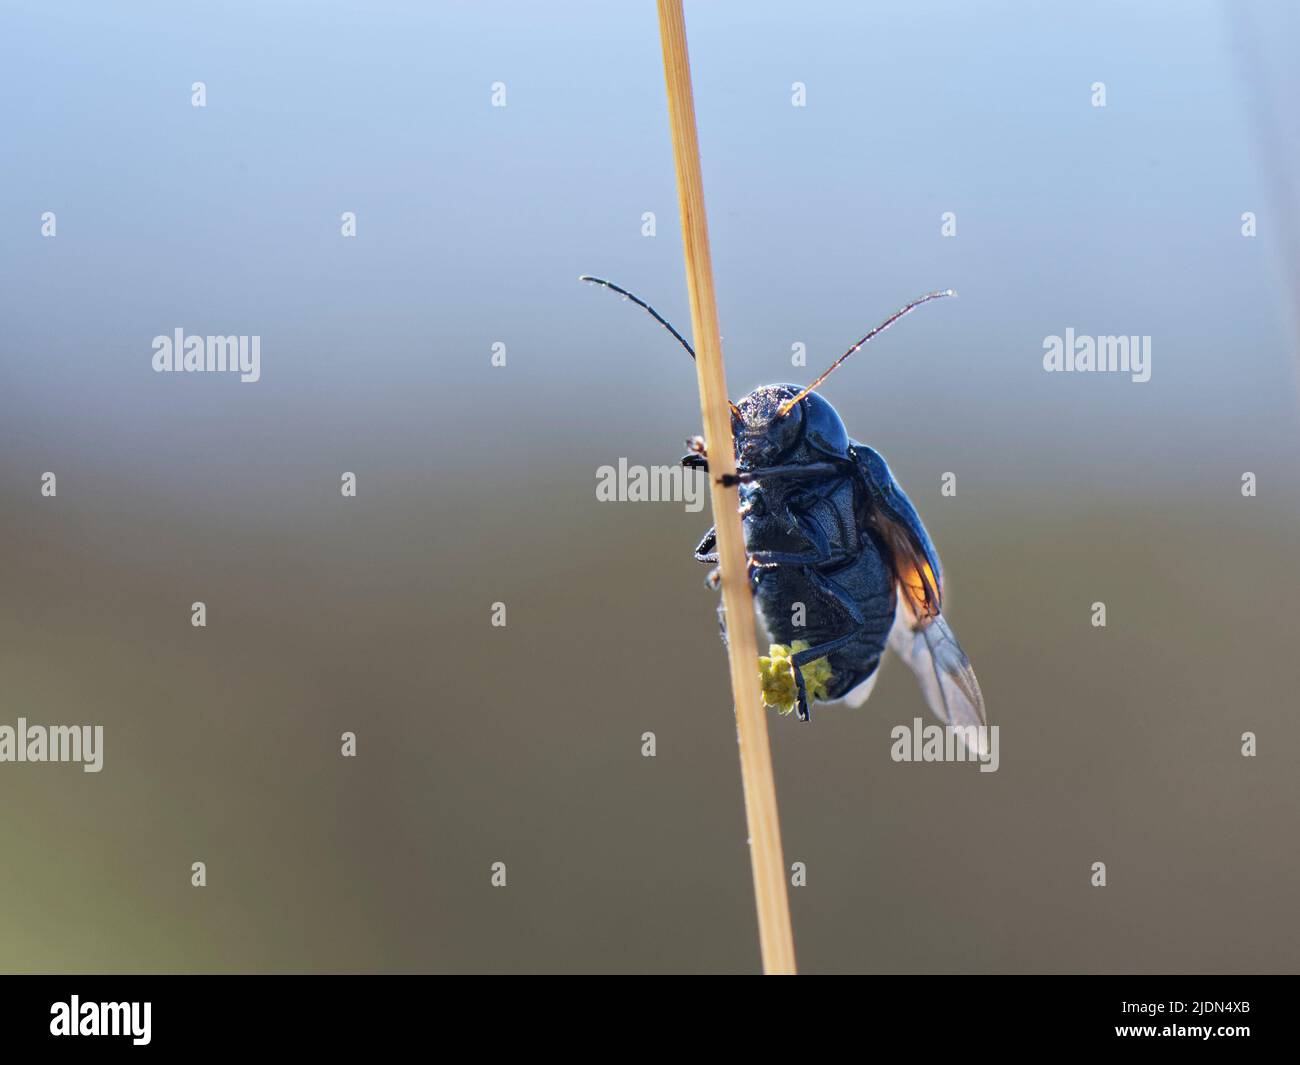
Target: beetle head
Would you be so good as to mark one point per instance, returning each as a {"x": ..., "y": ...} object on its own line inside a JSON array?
[{"x": 767, "y": 432}]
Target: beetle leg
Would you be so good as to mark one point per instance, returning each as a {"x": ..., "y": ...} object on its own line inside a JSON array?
[
  {"x": 810, "y": 654},
  {"x": 837, "y": 595},
  {"x": 772, "y": 559},
  {"x": 714, "y": 580},
  {"x": 696, "y": 457},
  {"x": 815, "y": 535},
  {"x": 707, "y": 552},
  {"x": 808, "y": 471}
]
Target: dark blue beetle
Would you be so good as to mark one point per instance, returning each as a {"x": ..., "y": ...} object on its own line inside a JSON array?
[{"x": 828, "y": 529}]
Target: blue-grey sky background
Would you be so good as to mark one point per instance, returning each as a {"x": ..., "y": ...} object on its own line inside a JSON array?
[{"x": 474, "y": 222}]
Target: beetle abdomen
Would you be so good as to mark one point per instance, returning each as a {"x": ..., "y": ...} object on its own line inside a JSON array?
[{"x": 788, "y": 595}]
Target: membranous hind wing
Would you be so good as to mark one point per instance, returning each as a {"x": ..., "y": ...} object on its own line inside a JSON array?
[
  {"x": 921, "y": 636},
  {"x": 941, "y": 667}
]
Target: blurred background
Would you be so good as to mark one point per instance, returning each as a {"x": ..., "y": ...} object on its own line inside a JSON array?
[{"x": 476, "y": 484}]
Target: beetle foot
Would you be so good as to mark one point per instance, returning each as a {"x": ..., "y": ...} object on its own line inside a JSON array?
[
  {"x": 801, "y": 710},
  {"x": 801, "y": 701},
  {"x": 696, "y": 457}
]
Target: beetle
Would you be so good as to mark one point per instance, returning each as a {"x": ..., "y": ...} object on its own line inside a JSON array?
[{"x": 827, "y": 527}]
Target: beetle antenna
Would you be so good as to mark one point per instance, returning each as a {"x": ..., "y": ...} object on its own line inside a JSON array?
[
  {"x": 789, "y": 405},
  {"x": 645, "y": 306}
]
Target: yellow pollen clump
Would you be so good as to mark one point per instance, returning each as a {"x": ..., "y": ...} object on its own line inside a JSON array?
[{"x": 776, "y": 675}]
